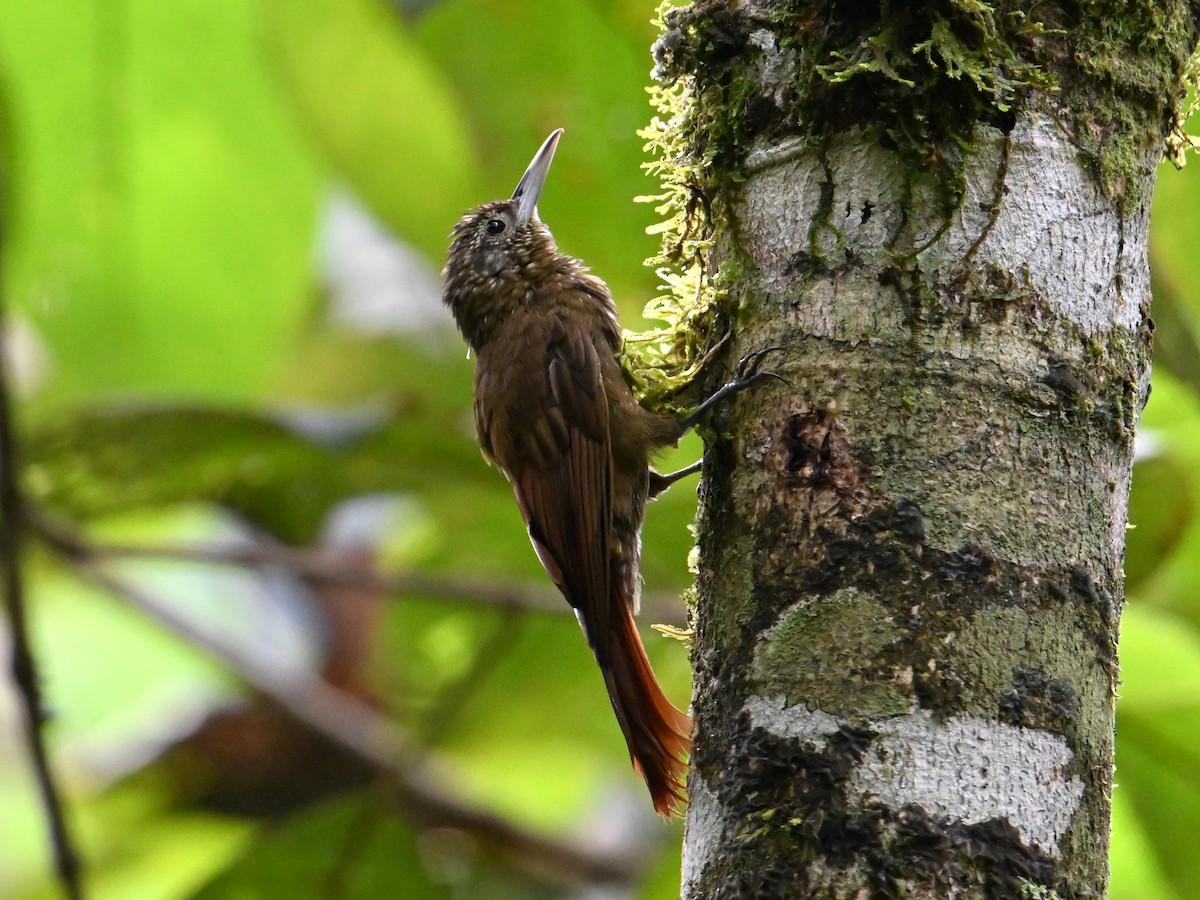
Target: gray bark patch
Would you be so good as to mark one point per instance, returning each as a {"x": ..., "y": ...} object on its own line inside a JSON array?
[{"x": 973, "y": 769}]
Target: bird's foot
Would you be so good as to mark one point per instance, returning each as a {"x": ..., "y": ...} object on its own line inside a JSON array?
[
  {"x": 749, "y": 372},
  {"x": 660, "y": 482}
]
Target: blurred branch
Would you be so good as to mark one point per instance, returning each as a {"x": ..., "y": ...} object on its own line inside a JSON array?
[
  {"x": 24, "y": 665},
  {"x": 338, "y": 715},
  {"x": 330, "y": 567},
  {"x": 357, "y": 727}
]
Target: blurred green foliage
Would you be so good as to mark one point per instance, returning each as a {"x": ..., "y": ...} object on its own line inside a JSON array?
[{"x": 171, "y": 166}]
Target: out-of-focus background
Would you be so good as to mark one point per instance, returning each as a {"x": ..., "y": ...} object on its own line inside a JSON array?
[{"x": 224, "y": 228}]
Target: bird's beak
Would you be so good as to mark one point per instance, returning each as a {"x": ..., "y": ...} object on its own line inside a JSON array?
[{"x": 530, "y": 185}]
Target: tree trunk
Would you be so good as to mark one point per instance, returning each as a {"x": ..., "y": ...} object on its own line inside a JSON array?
[{"x": 910, "y": 554}]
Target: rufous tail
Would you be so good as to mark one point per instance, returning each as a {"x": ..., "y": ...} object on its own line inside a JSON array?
[{"x": 658, "y": 734}]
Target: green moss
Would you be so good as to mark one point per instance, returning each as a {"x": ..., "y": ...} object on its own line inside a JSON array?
[
  {"x": 920, "y": 78},
  {"x": 1046, "y": 641},
  {"x": 924, "y": 74},
  {"x": 692, "y": 307},
  {"x": 816, "y": 649},
  {"x": 1181, "y": 140},
  {"x": 1126, "y": 65},
  {"x": 919, "y": 75},
  {"x": 1032, "y": 891}
]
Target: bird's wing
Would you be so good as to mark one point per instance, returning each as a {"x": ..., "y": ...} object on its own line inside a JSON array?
[
  {"x": 545, "y": 422},
  {"x": 555, "y": 448}
]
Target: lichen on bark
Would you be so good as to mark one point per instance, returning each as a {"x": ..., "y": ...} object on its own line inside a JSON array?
[
  {"x": 920, "y": 77},
  {"x": 916, "y": 542},
  {"x": 726, "y": 81}
]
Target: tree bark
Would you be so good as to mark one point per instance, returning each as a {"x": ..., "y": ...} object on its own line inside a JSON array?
[{"x": 910, "y": 570}]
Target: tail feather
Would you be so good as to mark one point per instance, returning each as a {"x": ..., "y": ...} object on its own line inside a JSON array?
[{"x": 658, "y": 734}]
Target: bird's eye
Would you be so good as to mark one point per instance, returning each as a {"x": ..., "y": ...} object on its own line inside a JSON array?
[{"x": 495, "y": 226}]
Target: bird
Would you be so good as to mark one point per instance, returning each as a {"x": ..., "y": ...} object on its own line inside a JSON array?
[{"x": 556, "y": 414}]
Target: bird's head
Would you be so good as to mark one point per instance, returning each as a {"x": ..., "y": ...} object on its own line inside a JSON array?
[{"x": 496, "y": 248}]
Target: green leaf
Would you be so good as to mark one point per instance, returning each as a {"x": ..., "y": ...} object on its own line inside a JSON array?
[
  {"x": 163, "y": 210},
  {"x": 522, "y": 69},
  {"x": 1161, "y": 508},
  {"x": 282, "y": 471},
  {"x": 1158, "y": 719},
  {"x": 1176, "y": 270},
  {"x": 1135, "y": 870},
  {"x": 349, "y": 848},
  {"x": 1172, "y": 425},
  {"x": 378, "y": 110}
]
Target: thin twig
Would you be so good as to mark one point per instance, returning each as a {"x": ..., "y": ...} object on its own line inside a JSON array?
[
  {"x": 315, "y": 565},
  {"x": 330, "y": 568},
  {"x": 360, "y": 729},
  {"x": 338, "y": 715},
  {"x": 24, "y": 665}
]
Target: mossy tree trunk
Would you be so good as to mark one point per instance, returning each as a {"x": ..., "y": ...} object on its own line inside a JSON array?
[{"x": 911, "y": 553}]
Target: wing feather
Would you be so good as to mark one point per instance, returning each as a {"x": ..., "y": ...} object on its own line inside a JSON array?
[
  {"x": 546, "y": 425},
  {"x": 558, "y": 456}
]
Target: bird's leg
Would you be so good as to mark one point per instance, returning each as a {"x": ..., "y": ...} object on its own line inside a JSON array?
[
  {"x": 746, "y": 374},
  {"x": 660, "y": 482}
]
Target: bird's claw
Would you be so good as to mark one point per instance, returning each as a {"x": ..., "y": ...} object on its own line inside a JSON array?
[
  {"x": 747, "y": 373},
  {"x": 748, "y": 368}
]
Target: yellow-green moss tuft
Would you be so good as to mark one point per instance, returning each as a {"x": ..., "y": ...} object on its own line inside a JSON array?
[
  {"x": 693, "y": 327},
  {"x": 1180, "y": 140}
]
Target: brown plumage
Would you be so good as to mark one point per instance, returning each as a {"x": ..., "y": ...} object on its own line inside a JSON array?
[{"x": 554, "y": 412}]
